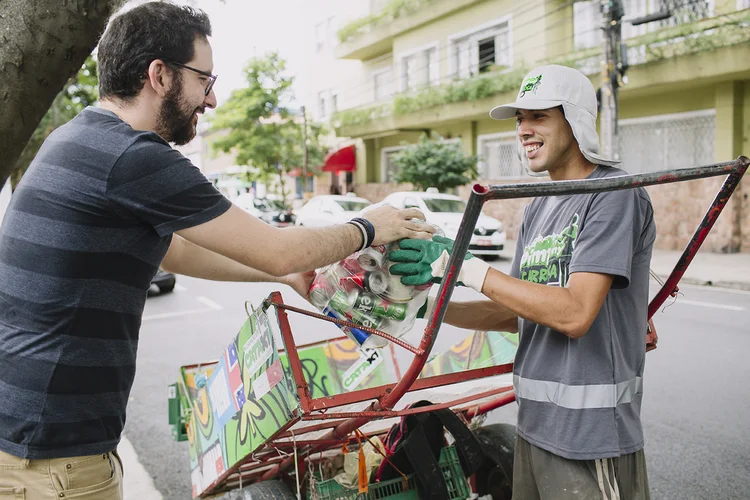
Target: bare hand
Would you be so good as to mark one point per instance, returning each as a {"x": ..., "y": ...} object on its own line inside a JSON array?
[
  {"x": 300, "y": 282},
  {"x": 392, "y": 224}
]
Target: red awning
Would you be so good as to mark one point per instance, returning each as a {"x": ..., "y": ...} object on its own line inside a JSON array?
[{"x": 343, "y": 160}]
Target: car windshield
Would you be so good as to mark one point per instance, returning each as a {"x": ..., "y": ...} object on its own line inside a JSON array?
[
  {"x": 444, "y": 205},
  {"x": 352, "y": 206}
]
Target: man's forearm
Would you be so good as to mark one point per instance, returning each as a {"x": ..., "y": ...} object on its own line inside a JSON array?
[
  {"x": 304, "y": 248},
  {"x": 569, "y": 310},
  {"x": 481, "y": 315},
  {"x": 189, "y": 259}
]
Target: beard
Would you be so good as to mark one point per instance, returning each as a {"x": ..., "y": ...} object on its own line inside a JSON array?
[{"x": 175, "y": 120}]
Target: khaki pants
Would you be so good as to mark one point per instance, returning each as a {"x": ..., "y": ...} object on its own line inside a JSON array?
[
  {"x": 541, "y": 475},
  {"x": 95, "y": 477}
]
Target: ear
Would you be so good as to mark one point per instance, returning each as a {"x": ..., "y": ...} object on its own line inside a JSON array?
[{"x": 160, "y": 77}]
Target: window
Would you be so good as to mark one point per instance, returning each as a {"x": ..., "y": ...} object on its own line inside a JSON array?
[
  {"x": 409, "y": 73},
  {"x": 587, "y": 24},
  {"x": 419, "y": 68},
  {"x": 433, "y": 66},
  {"x": 321, "y": 104},
  {"x": 327, "y": 103},
  {"x": 667, "y": 141},
  {"x": 483, "y": 49},
  {"x": 411, "y": 203},
  {"x": 498, "y": 157},
  {"x": 445, "y": 205},
  {"x": 382, "y": 82},
  {"x": 351, "y": 206},
  {"x": 324, "y": 34}
]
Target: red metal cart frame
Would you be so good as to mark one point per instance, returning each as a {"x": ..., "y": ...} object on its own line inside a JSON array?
[{"x": 277, "y": 455}]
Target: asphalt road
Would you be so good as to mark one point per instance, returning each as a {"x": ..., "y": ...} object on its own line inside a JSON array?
[{"x": 696, "y": 407}]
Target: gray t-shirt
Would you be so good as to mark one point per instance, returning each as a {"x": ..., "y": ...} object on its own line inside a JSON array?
[{"x": 581, "y": 398}]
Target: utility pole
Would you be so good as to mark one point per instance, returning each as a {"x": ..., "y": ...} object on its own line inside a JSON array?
[
  {"x": 304, "y": 150},
  {"x": 614, "y": 67},
  {"x": 612, "y": 13}
]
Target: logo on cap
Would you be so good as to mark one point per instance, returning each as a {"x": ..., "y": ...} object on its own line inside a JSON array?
[{"x": 530, "y": 85}]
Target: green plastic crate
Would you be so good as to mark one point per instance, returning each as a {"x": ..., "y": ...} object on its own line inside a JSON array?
[{"x": 458, "y": 486}]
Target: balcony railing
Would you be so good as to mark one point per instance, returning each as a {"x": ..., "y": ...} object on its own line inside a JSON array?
[{"x": 674, "y": 40}]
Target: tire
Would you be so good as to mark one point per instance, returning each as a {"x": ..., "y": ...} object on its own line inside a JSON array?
[
  {"x": 495, "y": 476},
  {"x": 264, "y": 490},
  {"x": 167, "y": 288},
  {"x": 489, "y": 258}
]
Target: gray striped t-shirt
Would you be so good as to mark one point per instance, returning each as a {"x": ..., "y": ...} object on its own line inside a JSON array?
[
  {"x": 581, "y": 398},
  {"x": 84, "y": 235}
]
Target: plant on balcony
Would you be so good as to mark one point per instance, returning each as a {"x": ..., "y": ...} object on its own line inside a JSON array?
[
  {"x": 391, "y": 11},
  {"x": 434, "y": 163},
  {"x": 358, "y": 116},
  {"x": 472, "y": 89}
]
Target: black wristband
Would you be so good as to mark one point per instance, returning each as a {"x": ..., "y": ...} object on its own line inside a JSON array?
[
  {"x": 362, "y": 230},
  {"x": 369, "y": 228}
]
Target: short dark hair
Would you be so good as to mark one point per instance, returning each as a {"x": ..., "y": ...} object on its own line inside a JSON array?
[{"x": 154, "y": 30}]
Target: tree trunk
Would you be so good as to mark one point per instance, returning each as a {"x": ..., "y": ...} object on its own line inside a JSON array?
[{"x": 42, "y": 44}]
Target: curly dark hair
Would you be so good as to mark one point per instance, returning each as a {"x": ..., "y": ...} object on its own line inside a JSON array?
[{"x": 154, "y": 30}]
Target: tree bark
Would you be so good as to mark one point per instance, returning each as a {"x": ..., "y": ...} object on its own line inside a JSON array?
[{"x": 42, "y": 44}]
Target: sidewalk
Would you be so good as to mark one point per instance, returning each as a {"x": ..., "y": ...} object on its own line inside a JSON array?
[{"x": 707, "y": 268}]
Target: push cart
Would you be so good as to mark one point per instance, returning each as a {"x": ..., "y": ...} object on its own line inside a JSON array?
[{"x": 264, "y": 418}]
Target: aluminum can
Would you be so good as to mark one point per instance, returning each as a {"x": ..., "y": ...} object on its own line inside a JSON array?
[
  {"x": 397, "y": 291},
  {"x": 376, "y": 282},
  {"x": 319, "y": 295},
  {"x": 379, "y": 307},
  {"x": 372, "y": 258},
  {"x": 372, "y": 281}
]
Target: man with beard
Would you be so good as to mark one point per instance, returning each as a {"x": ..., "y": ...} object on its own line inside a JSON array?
[
  {"x": 104, "y": 204},
  {"x": 578, "y": 294}
]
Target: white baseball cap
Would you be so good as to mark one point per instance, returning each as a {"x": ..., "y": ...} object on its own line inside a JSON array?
[{"x": 550, "y": 86}]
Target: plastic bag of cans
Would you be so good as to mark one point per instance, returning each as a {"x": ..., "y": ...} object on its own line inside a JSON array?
[{"x": 360, "y": 289}]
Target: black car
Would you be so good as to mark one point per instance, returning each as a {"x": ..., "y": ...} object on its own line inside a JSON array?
[
  {"x": 163, "y": 282},
  {"x": 274, "y": 212}
]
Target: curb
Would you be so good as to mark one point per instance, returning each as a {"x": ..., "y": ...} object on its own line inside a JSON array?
[{"x": 733, "y": 285}]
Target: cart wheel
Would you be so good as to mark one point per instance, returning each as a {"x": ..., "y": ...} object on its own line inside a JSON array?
[
  {"x": 264, "y": 490},
  {"x": 495, "y": 477}
]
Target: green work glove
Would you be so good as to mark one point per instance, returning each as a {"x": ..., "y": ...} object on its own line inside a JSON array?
[{"x": 423, "y": 261}]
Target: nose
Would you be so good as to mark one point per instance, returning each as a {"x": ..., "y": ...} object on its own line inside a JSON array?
[
  {"x": 210, "y": 100},
  {"x": 525, "y": 130}
]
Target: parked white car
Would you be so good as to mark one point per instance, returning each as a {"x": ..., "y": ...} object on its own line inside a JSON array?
[
  {"x": 446, "y": 212},
  {"x": 326, "y": 210}
]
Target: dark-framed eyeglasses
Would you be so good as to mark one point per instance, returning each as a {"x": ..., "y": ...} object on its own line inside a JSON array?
[{"x": 211, "y": 78}]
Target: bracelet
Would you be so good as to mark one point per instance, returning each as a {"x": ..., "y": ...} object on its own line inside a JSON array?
[
  {"x": 369, "y": 228},
  {"x": 362, "y": 229}
]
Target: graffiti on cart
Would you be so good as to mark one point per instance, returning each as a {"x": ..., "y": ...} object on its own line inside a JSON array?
[{"x": 244, "y": 399}]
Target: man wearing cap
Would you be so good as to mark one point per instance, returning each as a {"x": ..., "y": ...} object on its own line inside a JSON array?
[{"x": 578, "y": 294}]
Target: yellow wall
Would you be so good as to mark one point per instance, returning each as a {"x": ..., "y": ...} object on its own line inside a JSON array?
[{"x": 662, "y": 103}]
